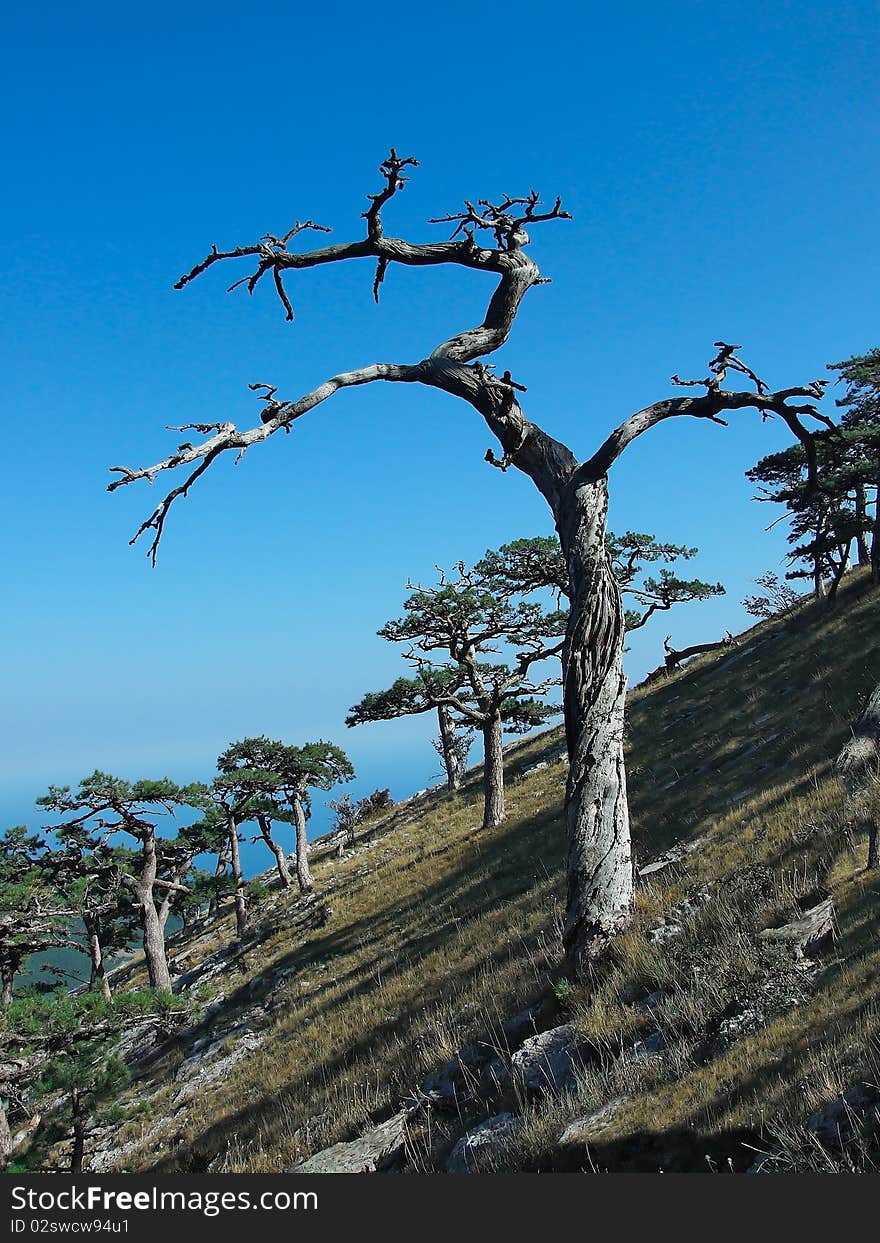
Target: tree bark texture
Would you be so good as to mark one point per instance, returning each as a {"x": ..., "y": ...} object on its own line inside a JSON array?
[
  {"x": 8, "y": 971},
  {"x": 79, "y": 1134},
  {"x": 303, "y": 874},
  {"x": 154, "y": 941},
  {"x": 451, "y": 759},
  {"x": 599, "y": 863},
  {"x": 493, "y": 773}
]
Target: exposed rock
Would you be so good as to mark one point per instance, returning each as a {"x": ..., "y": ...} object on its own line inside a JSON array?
[
  {"x": 495, "y": 1078},
  {"x": 112, "y": 1157},
  {"x": 585, "y": 1129},
  {"x": 139, "y": 1040},
  {"x": 674, "y": 855},
  {"x": 690, "y": 905},
  {"x": 482, "y": 1070},
  {"x": 808, "y": 935},
  {"x": 475, "y": 1149},
  {"x": 853, "y": 1112},
  {"x": 741, "y": 1023},
  {"x": 198, "y": 1076},
  {"x": 210, "y": 969},
  {"x": 642, "y": 1049},
  {"x": 379, "y": 1150},
  {"x": 458, "y": 1081},
  {"x": 546, "y": 1062}
]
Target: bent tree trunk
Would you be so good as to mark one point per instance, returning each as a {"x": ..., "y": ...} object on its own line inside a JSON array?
[
  {"x": 451, "y": 758},
  {"x": 303, "y": 875},
  {"x": 240, "y": 899},
  {"x": 280, "y": 860},
  {"x": 840, "y": 567},
  {"x": 493, "y": 772},
  {"x": 599, "y": 871}
]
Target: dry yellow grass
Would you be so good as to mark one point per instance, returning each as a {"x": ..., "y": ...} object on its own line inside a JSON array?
[{"x": 441, "y": 931}]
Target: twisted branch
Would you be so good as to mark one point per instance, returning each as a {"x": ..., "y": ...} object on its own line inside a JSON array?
[
  {"x": 446, "y": 368},
  {"x": 709, "y": 406}
]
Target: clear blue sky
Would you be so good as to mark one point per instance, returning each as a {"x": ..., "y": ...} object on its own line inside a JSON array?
[{"x": 720, "y": 164}]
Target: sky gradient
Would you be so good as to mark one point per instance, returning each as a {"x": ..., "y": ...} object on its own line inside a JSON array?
[{"x": 719, "y": 164}]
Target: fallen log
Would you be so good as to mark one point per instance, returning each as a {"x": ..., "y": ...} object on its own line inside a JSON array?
[{"x": 674, "y": 657}]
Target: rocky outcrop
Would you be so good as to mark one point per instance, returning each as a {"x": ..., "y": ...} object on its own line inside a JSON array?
[
  {"x": 588, "y": 1128},
  {"x": 380, "y": 1150},
  {"x": 808, "y": 935},
  {"x": 547, "y": 1063},
  {"x": 474, "y": 1151},
  {"x": 852, "y": 1113},
  {"x": 205, "y": 1068}
]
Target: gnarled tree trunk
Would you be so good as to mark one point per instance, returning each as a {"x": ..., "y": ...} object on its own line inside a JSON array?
[
  {"x": 79, "y": 1133},
  {"x": 223, "y": 859},
  {"x": 861, "y": 508},
  {"x": 599, "y": 870},
  {"x": 600, "y": 873},
  {"x": 452, "y": 761},
  {"x": 151, "y": 922},
  {"x": 675, "y": 657},
  {"x": 840, "y": 568},
  {"x": 280, "y": 858},
  {"x": 493, "y": 772},
  {"x": 303, "y": 874}
]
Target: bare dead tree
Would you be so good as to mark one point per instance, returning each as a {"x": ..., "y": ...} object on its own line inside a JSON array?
[
  {"x": 677, "y": 656},
  {"x": 598, "y": 862}
]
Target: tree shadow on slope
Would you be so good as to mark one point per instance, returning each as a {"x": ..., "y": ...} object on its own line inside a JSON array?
[{"x": 520, "y": 864}]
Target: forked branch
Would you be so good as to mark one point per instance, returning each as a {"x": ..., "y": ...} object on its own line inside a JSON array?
[
  {"x": 711, "y": 405},
  {"x": 447, "y": 367}
]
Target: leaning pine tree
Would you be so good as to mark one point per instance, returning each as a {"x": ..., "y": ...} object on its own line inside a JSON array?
[{"x": 493, "y": 238}]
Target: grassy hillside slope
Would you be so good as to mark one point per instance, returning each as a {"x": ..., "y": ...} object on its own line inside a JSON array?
[{"x": 433, "y": 932}]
